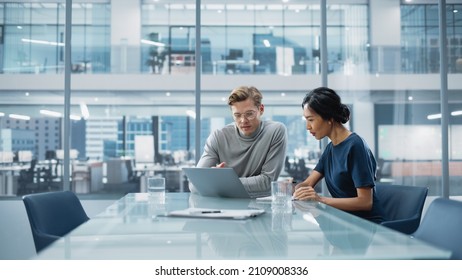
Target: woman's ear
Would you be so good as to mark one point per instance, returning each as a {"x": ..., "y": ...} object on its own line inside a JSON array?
[{"x": 331, "y": 121}]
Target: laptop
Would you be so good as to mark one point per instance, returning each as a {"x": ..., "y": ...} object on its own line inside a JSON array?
[{"x": 216, "y": 182}]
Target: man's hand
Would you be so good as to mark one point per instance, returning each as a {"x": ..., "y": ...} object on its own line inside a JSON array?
[{"x": 220, "y": 165}]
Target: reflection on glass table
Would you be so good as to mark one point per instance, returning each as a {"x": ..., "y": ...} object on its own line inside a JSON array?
[
  {"x": 136, "y": 228},
  {"x": 344, "y": 239}
]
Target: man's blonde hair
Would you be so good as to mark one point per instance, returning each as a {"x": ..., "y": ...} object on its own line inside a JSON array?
[{"x": 243, "y": 93}]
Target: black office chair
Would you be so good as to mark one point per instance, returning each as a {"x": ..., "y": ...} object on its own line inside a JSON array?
[
  {"x": 26, "y": 179},
  {"x": 402, "y": 206},
  {"x": 52, "y": 215},
  {"x": 442, "y": 226}
]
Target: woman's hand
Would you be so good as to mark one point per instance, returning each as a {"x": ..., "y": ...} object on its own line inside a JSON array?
[{"x": 306, "y": 193}]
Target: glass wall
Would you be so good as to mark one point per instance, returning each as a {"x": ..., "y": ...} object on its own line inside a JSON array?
[
  {"x": 420, "y": 41},
  {"x": 34, "y": 38},
  {"x": 133, "y": 85},
  {"x": 252, "y": 38}
]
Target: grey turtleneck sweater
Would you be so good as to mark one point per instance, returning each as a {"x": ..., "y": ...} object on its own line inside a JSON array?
[{"x": 257, "y": 159}]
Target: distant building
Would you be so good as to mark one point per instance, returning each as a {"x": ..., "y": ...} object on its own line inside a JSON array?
[{"x": 38, "y": 135}]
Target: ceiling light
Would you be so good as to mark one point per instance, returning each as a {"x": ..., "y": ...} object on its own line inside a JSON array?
[
  {"x": 19, "y": 117},
  {"x": 235, "y": 7},
  {"x": 75, "y": 117},
  {"x": 153, "y": 43},
  {"x": 438, "y": 116},
  {"x": 176, "y": 6},
  {"x": 215, "y": 7},
  {"x": 297, "y": 7},
  {"x": 50, "y": 113},
  {"x": 275, "y": 7},
  {"x": 434, "y": 117},
  {"x": 84, "y": 110},
  {"x": 255, "y": 7},
  {"x": 191, "y": 113},
  {"x": 41, "y": 42}
]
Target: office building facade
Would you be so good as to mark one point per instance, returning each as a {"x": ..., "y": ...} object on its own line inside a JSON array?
[{"x": 133, "y": 66}]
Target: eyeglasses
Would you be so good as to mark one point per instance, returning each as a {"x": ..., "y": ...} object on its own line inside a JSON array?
[{"x": 249, "y": 115}]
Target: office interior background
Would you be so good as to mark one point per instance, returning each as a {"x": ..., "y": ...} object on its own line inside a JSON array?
[{"x": 133, "y": 96}]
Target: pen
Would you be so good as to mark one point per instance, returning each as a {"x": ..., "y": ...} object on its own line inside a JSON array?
[
  {"x": 206, "y": 212},
  {"x": 210, "y": 211}
]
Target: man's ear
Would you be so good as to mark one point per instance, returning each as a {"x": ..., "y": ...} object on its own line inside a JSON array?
[{"x": 262, "y": 109}]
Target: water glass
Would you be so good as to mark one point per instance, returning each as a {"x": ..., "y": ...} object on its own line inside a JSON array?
[
  {"x": 156, "y": 189},
  {"x": 281, "y": 194}
]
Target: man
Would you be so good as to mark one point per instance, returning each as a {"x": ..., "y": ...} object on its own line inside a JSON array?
[{"x": 254, "y": 148}]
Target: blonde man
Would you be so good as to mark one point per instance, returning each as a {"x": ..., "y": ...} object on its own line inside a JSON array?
[{"x": 253, "y": 147}]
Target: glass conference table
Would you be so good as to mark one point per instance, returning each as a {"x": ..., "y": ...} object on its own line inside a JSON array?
[{"x": 135, "y": 227}]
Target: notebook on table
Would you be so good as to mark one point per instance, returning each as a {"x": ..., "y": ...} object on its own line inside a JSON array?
[
  {"x": 216, "y": 182},
  {"x": 235, "y": 214}
]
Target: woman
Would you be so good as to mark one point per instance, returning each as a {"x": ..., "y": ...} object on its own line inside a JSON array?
[{"x": 347, "y": 164}]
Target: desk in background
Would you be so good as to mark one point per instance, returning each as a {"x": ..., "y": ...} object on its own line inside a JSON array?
[
  {"x": 8, "y": 184},
  {"x": 234, "y": 66},
  {"x": 87, "y": 177},
  {"x": 132, "y": 229},
  {"x": 174, "y": 176}
]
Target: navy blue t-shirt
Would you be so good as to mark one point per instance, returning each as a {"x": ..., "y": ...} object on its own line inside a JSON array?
[{"x": 347, "y": 166}]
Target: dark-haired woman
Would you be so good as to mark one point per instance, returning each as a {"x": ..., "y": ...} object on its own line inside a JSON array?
[{"x": 347, "y": 164}]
